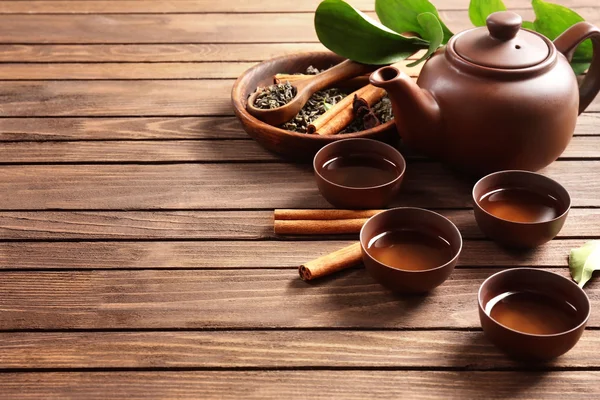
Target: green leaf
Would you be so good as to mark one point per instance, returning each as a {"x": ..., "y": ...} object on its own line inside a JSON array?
[
  {"x": 402, "y": 16},
  {"x": 583, "y": 261},
  {"x": 479, "y": 10},
  {"x": 327, "y": 106},
  {"x": 351, "y": 34},
  {"x": 432, "y": 31},
  {"x": 552, "y": 20},
  {"x": 580, "y": 67},
  {"x": 528, "y": 25}
]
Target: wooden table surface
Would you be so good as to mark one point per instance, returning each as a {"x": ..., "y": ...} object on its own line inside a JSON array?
[{"x": 137, "y": 257}]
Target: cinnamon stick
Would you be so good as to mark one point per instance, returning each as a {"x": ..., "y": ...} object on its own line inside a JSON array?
[
  {"x": 318, "y": 227},
  {"x": 330, "y": 263},
  {"x": 285, "y": 214},
  {"x": 282, "y": 78},
  {"x": 342, "y": 113}
]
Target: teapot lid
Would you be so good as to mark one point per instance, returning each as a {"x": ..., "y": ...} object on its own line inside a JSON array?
[{"x": 503, "y": 44}]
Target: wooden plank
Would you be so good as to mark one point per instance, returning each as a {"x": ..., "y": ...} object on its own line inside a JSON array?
[
  {"x": 137, "y": 128},
  {"x": 186, "y": 28},
  {"x": 206, "y": 225},
  {"x": 140, "y": 151},
  {"x": 202, "y": 6},
  {"x": 73, "y": 71},
  {"x": 238, "y": 186},
  {"x": 145, "y": 128},
  {"x": 172, "y": 299},
  {"x": 116, "y": 98},
  {"x": 270, "y": 349},
  {"x": 20, "y": 53},
  {"x": 123, "y": 98},
  {"x": 134, "y": 71},
  {"x": 242, "y": 255},
  {"x": 264, "y": 385},
  {"x": 137, "y": 151},
  {"x": 189, "y": 28}
]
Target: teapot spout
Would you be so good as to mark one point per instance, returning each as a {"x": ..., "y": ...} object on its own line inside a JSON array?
[{"x": 416, "y": 112}]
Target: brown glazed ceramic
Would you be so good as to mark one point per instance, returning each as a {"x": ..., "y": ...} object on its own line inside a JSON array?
[
  {"x": 306, "y": 88},
  {"x": 496, "y": 97},
  {"x": 527, "y": 346},
  {"x": 292, "y": 145},
  {"x": 352, "y": 197},
  {"x": 405, "y": 281},
  {"x": 520, "y": 234}
]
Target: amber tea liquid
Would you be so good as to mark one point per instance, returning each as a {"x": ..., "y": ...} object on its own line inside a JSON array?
[
  {"x": 532, "y": 312},
  {"x": 359, "y": 170},
  {"x": 521, "y": 205},
  {"x": 410, "y": 250}
]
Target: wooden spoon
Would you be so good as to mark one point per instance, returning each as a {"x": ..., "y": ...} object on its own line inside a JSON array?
[{"x": 306, "y": 88}]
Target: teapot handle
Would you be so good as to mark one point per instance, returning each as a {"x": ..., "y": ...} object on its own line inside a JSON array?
[{"x": 567, "y": 43}]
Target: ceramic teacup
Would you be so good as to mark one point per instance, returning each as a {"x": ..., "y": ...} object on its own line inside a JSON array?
[
  {"x": 352, "y": 188},
  {"x": 520, "y": 234},
  {"x": 559, "y": 291},
  {"x": 411, "y": 220}
]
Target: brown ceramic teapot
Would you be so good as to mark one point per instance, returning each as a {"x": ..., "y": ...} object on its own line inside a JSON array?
[{"x": 495, "y": 98}]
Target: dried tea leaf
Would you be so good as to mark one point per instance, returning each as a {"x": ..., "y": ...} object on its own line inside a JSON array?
[
  {"x": 316, "y": 106},
  {"x": 274, "y": 96},
  {"x": 583, "y": 261}
]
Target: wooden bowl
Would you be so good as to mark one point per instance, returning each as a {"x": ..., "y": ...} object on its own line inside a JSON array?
[{"x": 292, "y": 145}]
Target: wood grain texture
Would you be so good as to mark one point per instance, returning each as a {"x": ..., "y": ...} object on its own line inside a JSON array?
[
  {"x": 137, "y": 151},
  {"x": 145, "y": 128},
  {"x": 206, "y": 225},
  {"x": 238, "y": 186},
  {"x": 157, "y": 299},
  {"x": 112, "y": 128},
  {"x": 123, "y": 98},
  {"x": 187, "y": 28},
  {"x": 243, "y": 255},
  {"x": 174, "y": 52},
  {"x": 116, "y": 98},
  {"x": 264, "y": 385},
  {"x": 202, "y": 6},
  {"x": 270, "y": 349},
  {"x": 191, "y": 28},
  {"x": 134, "y": 71},
  {"x": 140, "y": 151}
]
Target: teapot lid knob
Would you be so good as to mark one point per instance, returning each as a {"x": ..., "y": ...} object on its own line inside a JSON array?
[{"x": 504, "y": 25}]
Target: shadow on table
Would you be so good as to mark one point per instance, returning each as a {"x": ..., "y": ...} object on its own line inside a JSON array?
[
  {"x": 478, "y": 354},
  {"x": 351, "y": 298}
]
